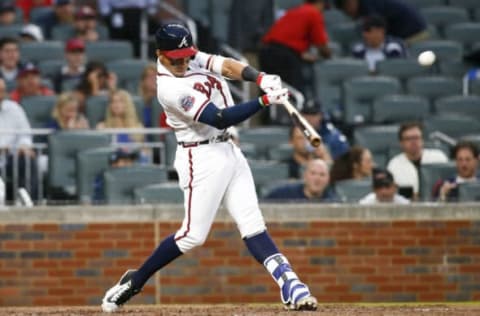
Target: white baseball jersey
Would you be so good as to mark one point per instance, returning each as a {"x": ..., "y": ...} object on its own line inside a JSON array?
[
  {"x": 184, "y": 99},
  {"x": 208, "y": 173}
]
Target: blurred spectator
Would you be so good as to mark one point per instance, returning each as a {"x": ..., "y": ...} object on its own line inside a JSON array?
[
  {"x": 315, "y": 186},
  {"x": 10, "y": 61},
  {"x": 96, "y": 80},
  {"x": 124, "y": 18},
  {"x": 66, "y": 115},
  {"x": 356, "y": 163},
  {"x": 121, "y": 113},
  {"x": 7, "y": 13},
  {"x": 332, "y": 137},
  {"x": 86, "y": 24},
  {"x": 466, "y": 157},
  {"x": 403, "y": 19},
  {"x": 148, "y": 92},
  {"x": 62, "y": 13},
  {"x": 303, "y": 152},
  {"x": 376, "y": 46},
  {"x": 384, "y": 190},
  {"x": 31, "y": 33},
  {"x": 71, "y": 73},
  {"x": 120, "y": 158},
  {"x": 13, "y": 118},
  {"x": 405, "y": 166},
  {"x": 28, "y": 5},
  {"x": 29, "y": 83},
  {"x": 287, "y": 43}
]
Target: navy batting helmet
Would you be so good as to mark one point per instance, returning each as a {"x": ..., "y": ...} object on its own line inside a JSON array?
[{"x": 175, "y": 41}]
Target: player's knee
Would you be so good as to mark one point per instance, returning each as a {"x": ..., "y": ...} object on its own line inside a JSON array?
[
  {"x": 189, "y": 242},
  {"x": 251, "y": 225}
]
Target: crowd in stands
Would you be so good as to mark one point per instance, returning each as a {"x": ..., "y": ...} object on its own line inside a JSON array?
[{"x": 291, "y": 43}]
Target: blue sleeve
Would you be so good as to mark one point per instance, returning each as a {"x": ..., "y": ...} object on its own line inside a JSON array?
[{"x": 230, "y": 116}]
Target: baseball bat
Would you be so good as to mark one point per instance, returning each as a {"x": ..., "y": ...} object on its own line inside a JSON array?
[{"x": 307, "y": 129}]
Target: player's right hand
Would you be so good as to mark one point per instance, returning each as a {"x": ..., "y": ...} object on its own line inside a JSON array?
[
  {"x": 268, "y": 82},
  {"x": 277, "y": 96}
]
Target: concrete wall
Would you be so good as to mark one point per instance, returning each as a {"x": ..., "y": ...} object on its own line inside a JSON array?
[{"x": 70, "y": 255}]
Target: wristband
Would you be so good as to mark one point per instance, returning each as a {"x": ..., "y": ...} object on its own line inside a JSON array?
[
  {"x": 250, "y": 74},
  {"x": 263, "y": 100}
]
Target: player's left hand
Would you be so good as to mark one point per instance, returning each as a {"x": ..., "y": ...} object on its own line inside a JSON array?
[{"x": 268, "y": 82}]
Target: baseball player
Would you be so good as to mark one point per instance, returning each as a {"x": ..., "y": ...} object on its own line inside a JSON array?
[{"x": 211, "y": 168}]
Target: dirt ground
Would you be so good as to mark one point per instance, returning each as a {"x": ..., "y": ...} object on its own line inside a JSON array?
[{"x": 247, "y": 310}]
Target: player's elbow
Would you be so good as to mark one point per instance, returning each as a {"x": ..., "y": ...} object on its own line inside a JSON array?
[{"x": 213, "y": 116}]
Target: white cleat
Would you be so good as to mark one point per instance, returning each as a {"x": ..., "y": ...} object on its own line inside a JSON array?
[{"x": 308, "y": 303}]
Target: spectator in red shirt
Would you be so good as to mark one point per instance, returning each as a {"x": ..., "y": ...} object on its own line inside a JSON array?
[
  {"x": 286, "y": 45},
  {"x": 29, "y": 84}
]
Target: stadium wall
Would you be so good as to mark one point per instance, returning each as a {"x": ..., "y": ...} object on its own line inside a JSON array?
[{"x": 346, "y": 253}]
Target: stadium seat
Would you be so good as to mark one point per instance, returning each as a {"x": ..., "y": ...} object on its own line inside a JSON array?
[
  {"x": 474, "y": 138},
  {"x": 18, "y": 15},
  {"x": 10, "y": 30},
  {"x": 219, "y": 17},
  {"x": 351, "y": 191},
  {"x": 445, "y": 50},
  {"x": 49, "y": 68},
  {"x": 401, "y": 68},
  {"x": 453, "y": 125},
  {"x": 398, "y": 108},
  {"x": 470, "y": 5},
  {"x": 36, "y": 13},
  {"x": 426, "y": 3},
  {"x": 345, "y": 33},
  {"x": 39, "y": 109},
  {"x": 120, "y": 183},
  {"x": 459, "y": 104},
  {"x": 95, "y": 108},
  {"x": 430, "y": 174},
  {"x": 269, "y": 187},
  {"x": 107, "y": 51},
  {"x": 170, "y": 148},
  {"x": 168, "y": 192},
  {"x": 466, "y": 33},
  {"x": 434, "y": 87},
  {"x": 129, "y": 72},
  {"x": 334, "y": 16},
  {"x": 441, "y": 16},
  {"x": 198, "y": 10},
  {"x": 264, "y": 137},
  {"x": 138, "y": 102},
  {"x": 89, "y": 164},
  {"x": 39, "y": 51},
  {"x": 361, "y": 92},
  {"x": 287, "y": 4},
  {"x": 331, "y": 73},
  {"x": 249, "y": 150},
  {"x": 454, "y": 68},
  {"x": 63, "y": 32},
  {"x": 335, "y": 48},
  {"x": 378, "y": 139},
  {"x": 265, "y": 172},
  {"x": 469, "y": 192},
  {"x": 62, "y": 151},
  {"x": 281, "y": 152}
]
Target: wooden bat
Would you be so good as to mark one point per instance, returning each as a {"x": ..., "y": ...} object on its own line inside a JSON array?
[{"x": 307, "y": 129}]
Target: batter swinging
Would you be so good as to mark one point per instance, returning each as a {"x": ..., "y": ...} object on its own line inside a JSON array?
[{"x": 211, "y": 168}]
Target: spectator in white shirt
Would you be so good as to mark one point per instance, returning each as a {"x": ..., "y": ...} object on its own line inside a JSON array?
[
  {"x": 384, "y": 190},
  {"x": 405, "y": 166},
  {"x": 13, "y": 118}
]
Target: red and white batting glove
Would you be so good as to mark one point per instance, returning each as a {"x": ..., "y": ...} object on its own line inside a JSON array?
[
  {"x": 268, "y": 82},
  {"x": 277, "y": 96}
]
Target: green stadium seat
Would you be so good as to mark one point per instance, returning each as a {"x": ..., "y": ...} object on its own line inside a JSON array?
[
  {"x": 334, "y": 16},
  {"x": 49, "y": 68},
  {"x": 39, "y": 51},
  {"x": 38, "y": 12},
  {"x": 459, "y": 104},
  {"x": 89, "y": 164},
  {"x": 466, "y": 33},
  {"x": 198, "y": 10},
  {"x": 434, "y": 87},
  {"x": 219, "y": 17},
  {"x": 442, "y": 16},
  {"x": 170, "y": 148},
  {"x": 400, "y": 68},
  {"x": 249, "y": 150},
  {"x": 445, "y": 50},
  {"x": 453, "y": 125},
  {"x": 95, "y": 108},
  {"x": 426, "y": 3},
  {"x": 454, "y": 68},
  {"x": 378, "y": 139},
  {"x": 281, "y": 152},
  {"x": 430, "y": 174},
  {"x": 287, "y": 4},
  {"x": 265, "y": 172},
  {"x": 110, "y": 50},
  {"x": 351, "y": 191},
  {"x": 269, "y": 187},
  {"x": 62, "y": 151},
  {"x": 129, "y": 72},
  {"x": 264, "y": 137},
  {"x": 398, "y": 108},
  {"x": 168, "y": 192},
  {"x": 361, "y": 92},
  {"x": 345, "y": 33},
  {"x": 39, "y": 109},
  {"x": 474, "y": 138},
  {"x": 469, "y": 192},
  {"x": 10, "y": 30},
  {"x": 63, "y": 32},
  {"x": 330, "y": 75},
  {"x": 120, "y": 183},
  {"x": 467, "y": 4}
]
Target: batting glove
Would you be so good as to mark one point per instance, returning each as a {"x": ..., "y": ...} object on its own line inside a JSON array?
[
  {"x": 277, "y": 96},
  {"x": 269, "y": 82}
]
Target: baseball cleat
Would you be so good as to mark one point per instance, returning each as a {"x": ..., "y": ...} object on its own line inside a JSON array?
[
  {"x": 308, "y": 303},
  {"x": 120, "y": 293}
]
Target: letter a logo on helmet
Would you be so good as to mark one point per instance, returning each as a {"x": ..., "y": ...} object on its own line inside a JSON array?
[{"x": 175, "y": 41}]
